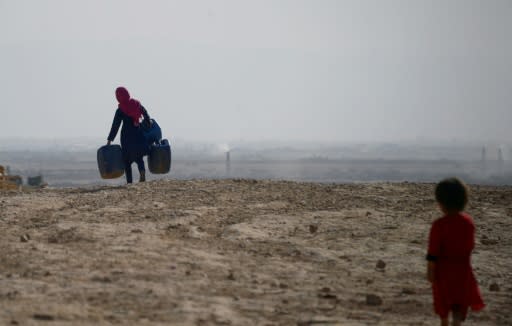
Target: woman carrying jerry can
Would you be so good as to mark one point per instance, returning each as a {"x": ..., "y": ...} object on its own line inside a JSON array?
[{"x": 133, "y": 141}]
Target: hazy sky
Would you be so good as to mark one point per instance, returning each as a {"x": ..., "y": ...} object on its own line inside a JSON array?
[{"x": 260, "y": 70}]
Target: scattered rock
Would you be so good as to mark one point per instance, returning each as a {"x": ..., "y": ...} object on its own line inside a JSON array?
[
  {"x": 102, "y": 279},
  {"x": 136, "y": 231},
  {"x": 43, "y": 317},
  {"x": 325, "y": 293},
  {"x": 368, "y": 282},
  {"x": 373, "y": 300},
  {"x": 408, "y": 291},
  {"x": 489, "y": 242},
  {"x": 25, "y": 238},
  {"x": 313, "y": 228},
  {"x": 11, "y": 295},
  {"x": 283, "y": 285},
  {"x": 231, "y": 276},
  {"x": 494, "y": 287},
  {"x": 368, "y": 213},
  {"x": 381, "y": 264},
  {"x": 327, "y": 296},
  {"x": 64, "y": 236},
  {"x": 14, "y": 322}
]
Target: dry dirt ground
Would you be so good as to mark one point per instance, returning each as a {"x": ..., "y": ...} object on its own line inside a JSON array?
[{"x": 238, "y": 252}]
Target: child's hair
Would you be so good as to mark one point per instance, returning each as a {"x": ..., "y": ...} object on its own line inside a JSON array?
[{"x": 452, "y": 194}]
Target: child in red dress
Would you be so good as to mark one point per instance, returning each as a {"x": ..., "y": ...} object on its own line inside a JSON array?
[{"x": 452, "y": 238}]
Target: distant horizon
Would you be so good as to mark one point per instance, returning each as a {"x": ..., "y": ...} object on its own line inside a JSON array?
[{"x": 412, "y": 140}]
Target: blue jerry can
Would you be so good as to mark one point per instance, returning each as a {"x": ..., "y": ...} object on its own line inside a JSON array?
[
  {"x": 152, "y": 134},
  {"x": 159, "y": 159},
  {"x": 110, "y": 161}
]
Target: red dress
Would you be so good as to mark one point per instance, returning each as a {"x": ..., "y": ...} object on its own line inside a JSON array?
[{"x": 452, "y": 238}]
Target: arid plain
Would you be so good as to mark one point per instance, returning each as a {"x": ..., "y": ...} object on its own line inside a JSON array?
[{"x": 238, "y": 252}]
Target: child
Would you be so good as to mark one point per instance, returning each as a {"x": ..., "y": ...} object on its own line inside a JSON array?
[{"x": 452, "y": 238}]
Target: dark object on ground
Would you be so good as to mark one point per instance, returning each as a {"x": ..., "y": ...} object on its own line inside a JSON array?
[
  {"x": 373, "y": 300},
  {"x": 110, "y": 161},
  {"x": 159, "y": 159},
  {"x": 494, "y": 287},
  {"x": 36, "y": 181}
]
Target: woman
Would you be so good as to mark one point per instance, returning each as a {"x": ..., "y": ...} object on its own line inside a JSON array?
[{"x": 133, "y": 143}]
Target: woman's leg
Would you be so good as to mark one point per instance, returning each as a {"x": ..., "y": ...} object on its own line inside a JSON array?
[
  {"x": 142, "y": 169},
  {"x": 128, "y": 170}
]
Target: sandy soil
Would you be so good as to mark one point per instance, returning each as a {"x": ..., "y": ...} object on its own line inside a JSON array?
[{"x": 238, "y": 252}]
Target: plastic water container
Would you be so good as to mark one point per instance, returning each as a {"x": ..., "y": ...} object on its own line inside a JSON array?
[
  {"x": 110, "y": 161},
  {"x": 152, "y": 134},
  {"x": 159, "y": 159}
]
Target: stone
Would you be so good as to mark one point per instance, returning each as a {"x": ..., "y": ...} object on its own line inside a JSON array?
[
  {"x": 373, "y": 300},
  {"x": 494, "y": 287},
  {"x": 313, "y": 228},
  {"x": 25, "y": 238},
  {"x": 489, "y": 242},
  {"x": 408, "y": 291},
  {"x": 381, "y": 264},
  {"x": 43, "y": 317}
]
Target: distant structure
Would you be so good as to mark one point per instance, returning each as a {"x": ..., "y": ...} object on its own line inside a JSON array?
[
  {"x": 483, "y": 165},
  {"x": 228, "y": 162},
  {"x": 500, "y": 161},
  {"x": 500, "y": 155},
  {"x": 36, "y": 181},
  {"x": 8, "y": 181}
]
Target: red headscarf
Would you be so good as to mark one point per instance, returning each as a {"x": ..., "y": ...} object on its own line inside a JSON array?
[{"x": 129, "y": 106}]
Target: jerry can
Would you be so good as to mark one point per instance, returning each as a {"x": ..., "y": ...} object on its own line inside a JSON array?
[
  {"x": 110, "y": 161},
  {"x": 159, "y": 159}
]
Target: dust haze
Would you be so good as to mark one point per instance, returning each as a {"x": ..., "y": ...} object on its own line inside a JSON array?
[{"x": 224, "y": 71}]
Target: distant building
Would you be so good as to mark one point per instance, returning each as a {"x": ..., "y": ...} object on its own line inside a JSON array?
[
  {"x": 228, "y": 162},
  {"x": 500, "y": 161},
  {"x": 500, "y": 155},
  {"x": 483, "y": 160}
]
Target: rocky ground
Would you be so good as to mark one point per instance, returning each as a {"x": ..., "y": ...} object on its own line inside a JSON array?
[{"x": 238, "y": 252}]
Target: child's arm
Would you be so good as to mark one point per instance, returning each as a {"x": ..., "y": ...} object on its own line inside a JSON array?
[{"x": 434, "y": 248}]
